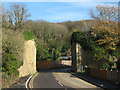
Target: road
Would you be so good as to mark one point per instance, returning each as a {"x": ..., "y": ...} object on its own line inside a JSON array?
[{"x": 59, "y": 78}]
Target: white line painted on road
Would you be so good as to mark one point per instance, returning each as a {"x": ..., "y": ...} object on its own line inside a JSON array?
[
  {"x": 60, "y": 83},
  {"x": 26, "y": 84}
]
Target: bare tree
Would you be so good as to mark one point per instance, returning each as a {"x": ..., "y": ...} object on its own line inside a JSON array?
[
  {"x": 5, "y": 21},
  {"x": 105, "y": 12},
  {"x": 16, "y": 15}
]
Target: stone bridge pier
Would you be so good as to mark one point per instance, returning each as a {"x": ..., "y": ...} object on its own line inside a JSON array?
[{"x": 29, "y": 59}]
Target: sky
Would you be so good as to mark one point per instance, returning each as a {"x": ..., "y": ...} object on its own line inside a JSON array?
[{"x": 60, "y": 11}]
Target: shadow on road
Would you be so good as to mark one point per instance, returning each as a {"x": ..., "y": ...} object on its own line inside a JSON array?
[
  {"x": 64, "y": 70},
  {"x": 98, "y": 82}
]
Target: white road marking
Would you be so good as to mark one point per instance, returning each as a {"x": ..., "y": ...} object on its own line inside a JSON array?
[
  {"x": 26, "y": 84},
  {"x": 60, "y": 83}
]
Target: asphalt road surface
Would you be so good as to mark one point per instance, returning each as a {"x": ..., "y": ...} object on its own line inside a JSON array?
[{"x": 60, "y": 78}]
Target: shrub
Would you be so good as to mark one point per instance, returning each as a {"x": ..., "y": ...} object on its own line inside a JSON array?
[
  {"x": 116, "y": 52},
  {"x": 43, "y": 53},
  {"x": 99, "y": 53},
  {"x": 102, "y": 47},
  {"x": 66, "y": 46},
  {"x": 85, "y": 40},
  {"x": 28, "y": 35},
  {"x": 11, "y": 65},
  {"x": 12, "y": 45},
  {"x": 105, "y": 66},
  {"x": 77, "y": 37}
]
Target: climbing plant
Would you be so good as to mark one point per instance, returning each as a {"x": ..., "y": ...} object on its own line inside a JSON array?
[{"x": 102, "y": 40}]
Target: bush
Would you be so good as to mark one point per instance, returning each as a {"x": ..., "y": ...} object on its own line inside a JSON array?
[
  {"x": 28, "y": 35},
  {"x": 11, "y": 65},
  {"x": 85, "y": 40},
  {"x": 116, "y": 52},
  {"x": 43, "y": 53},
  {"x": 105, "y": 66},
  {"x": 8, "y": 80},
  {"x": 78, "y": 37},
  {"x": 65, "y": 47},
  {"x": 101, "y": 53},
  {"x": 47, "y": 53},
  {"x": 12, "y": 45}
]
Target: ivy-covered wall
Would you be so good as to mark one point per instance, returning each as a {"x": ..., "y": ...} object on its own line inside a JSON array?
[{"x": 93, "y": 53}]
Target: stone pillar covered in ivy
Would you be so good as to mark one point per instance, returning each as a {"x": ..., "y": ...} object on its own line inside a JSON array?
[
  {"x": 76, "y": 57},
  {"x": 73, "y": 53}
]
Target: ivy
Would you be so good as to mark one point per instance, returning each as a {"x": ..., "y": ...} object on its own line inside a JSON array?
[
  {"x": 85, "y": 39},
  {"x": 102, "y": 45}
]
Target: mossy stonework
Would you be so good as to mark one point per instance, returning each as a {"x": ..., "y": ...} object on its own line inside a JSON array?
[
  {"x": 29, "y": 59},
  {"x": 78, "y": 57}
]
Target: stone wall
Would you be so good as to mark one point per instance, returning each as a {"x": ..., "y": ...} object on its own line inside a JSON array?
[
  {"x": 73, "y": 53},
  {"x": 29, "y": 59},
  {"x": 79, "y": 57},
  {"x": 76, "y": 57},
  {"x": 82, "y": 58}
]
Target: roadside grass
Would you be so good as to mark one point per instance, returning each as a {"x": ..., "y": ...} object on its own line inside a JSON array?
[
  {"x": 8, "y": 80},
  {"x": 81, "y": 72},
  {"x": 28, "y": 35}
]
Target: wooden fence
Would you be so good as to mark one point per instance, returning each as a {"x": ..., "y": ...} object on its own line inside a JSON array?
[
  {"x": 113, "y": 76},
  {"x": 52, "y": 64}
]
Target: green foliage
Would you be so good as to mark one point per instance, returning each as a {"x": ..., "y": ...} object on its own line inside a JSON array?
[
  {"x": 11, "y": 65},
  {"x": 85, "y": 40},
  {"x": 46, "y": 53},
  {"x": 56, "y": 53},
  {"x": 99, "y": 53},
  {"x": 105, "y": 66},
  {"x": 50, "y": 33},
  {"x": 73, "y": 25},
  {"x": 116, "y": 52},
  {"x": 12, "y": 53},
  {"x": 50, "y": 39},
  {"x": 28, "y": 35},
  {"x": 77, "y": 37},
  {"x": 65, "y": 47},
  {"x": 43, "y": 53}
]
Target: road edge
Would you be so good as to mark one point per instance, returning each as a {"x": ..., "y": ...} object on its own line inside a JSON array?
[
  {"x": 26, "y": 84},
  {"x": 92, "y": 84},
  {"x": 30, "y": 84}
]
